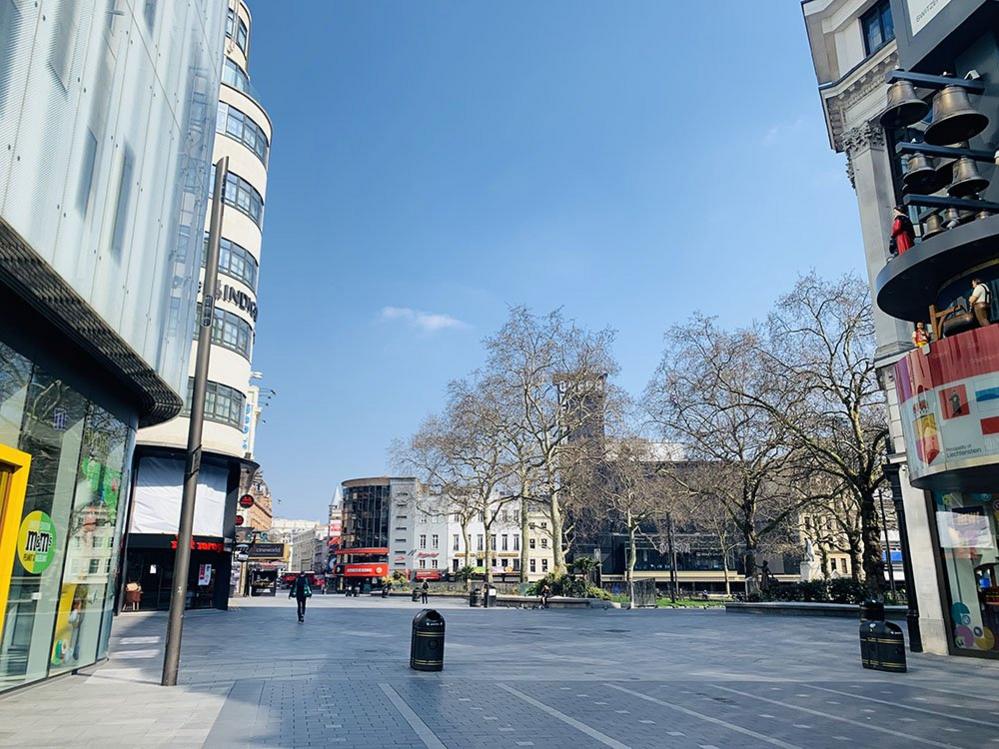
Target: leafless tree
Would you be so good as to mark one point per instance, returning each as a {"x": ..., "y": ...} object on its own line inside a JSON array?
[
  {"x": 820, "y": 386},
  {"x": 551, "y": 377},
  {"x": 705, "y": 396}
]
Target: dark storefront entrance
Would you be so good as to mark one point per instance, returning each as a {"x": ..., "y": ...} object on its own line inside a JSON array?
[{"x": 150, "y": 563}]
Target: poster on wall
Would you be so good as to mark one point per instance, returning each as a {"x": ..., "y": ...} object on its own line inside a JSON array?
[
  {"x": 949, "y": 403},
  {"x": 967, "y": 529},
  {"x": 158, "y": 489},
  {"x": 921, "y": 12},
  {"x": 204, "y": 574}
]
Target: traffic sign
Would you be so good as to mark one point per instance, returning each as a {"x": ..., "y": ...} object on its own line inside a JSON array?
[
  {"x": 239, "y": 520},
  {"x": 246, "y": 500}
]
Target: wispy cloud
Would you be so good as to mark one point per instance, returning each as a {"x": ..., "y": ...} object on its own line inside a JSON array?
[
  {"x": 428, "y": 322},
  {"x": 782, "y": 130}
]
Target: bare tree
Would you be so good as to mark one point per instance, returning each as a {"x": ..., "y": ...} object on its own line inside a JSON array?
[
  {"x": 551, "y": 378},
  {"x": 704, "y": 396},
  {"x": 820, "y": 385}
]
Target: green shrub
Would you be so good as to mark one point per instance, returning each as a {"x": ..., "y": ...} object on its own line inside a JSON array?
[{"x": 565, "y": 585}]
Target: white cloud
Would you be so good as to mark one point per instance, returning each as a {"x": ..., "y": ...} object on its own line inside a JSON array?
[
  {"x": 783, "y": 130},
  {"x": 428, "y": 322}
]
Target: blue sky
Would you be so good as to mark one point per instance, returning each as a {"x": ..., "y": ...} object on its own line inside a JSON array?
[{"x": 435, "y": 163}]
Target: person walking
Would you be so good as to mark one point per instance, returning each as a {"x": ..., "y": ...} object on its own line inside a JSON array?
[
  {"x": 980, "y": 302},
  {"x": 424, "y": 590},
  {"x": 300, "y": 591}
]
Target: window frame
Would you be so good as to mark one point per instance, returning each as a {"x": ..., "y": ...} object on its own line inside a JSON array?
[{"x": 877, "y": 13}]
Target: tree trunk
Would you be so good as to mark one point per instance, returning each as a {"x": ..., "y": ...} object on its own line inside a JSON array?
[
  {"x": 854, "y": 546},
  {"x": 467, "y": 540},
  {"x": 629, "y": 573},
  {"x": 874, "y": 568},
  {"x": 557, "y": 551},
  {"x": 728, "y": 583},
  {"x": 751, "y": 545},
  {"x": 524, "y": 531}
]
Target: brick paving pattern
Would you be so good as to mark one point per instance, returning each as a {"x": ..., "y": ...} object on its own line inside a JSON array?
[{"x": 254, "y": 677}]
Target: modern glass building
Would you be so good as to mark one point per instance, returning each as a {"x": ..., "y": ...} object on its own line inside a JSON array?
[
  {"x": 243, "y": 133},
  {"x": 106, "y": 113}
]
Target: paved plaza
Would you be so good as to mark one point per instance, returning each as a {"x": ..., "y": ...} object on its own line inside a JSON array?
[{"x": 254, "y": 677}]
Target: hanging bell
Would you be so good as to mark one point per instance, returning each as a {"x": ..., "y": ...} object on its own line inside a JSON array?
[
  {"x": 904, "y": 106},
  {"x": 966, "y": 179},
  {"x": 982, "y": 215},
  {"x": 920, "y": 176},
  {"x": 954, "y": 119},
  {"x": 932, "y": 225},
  {"x": 951, "y": 218}
]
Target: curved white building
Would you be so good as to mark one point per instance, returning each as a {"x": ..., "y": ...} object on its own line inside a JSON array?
[{"x": 243, "y": 133}]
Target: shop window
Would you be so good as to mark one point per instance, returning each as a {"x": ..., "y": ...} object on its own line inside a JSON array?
[
  {"x": 966, "y": 527},
  {"x": 52, "y": 433}
]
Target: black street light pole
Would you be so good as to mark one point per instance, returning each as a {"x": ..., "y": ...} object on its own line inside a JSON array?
[
  {"x": 912, "y": 614},
  {"x": 672, "y": 557},
  {"x": 884, "y": 524},
  {"x": 182, "y": 561}
]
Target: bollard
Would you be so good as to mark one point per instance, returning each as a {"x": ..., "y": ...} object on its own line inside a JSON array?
[
  {"x": 426, "y": 651},
  {"x": 882, "y": 645}
]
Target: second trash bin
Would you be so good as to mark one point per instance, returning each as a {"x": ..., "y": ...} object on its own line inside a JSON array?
[
  {"x": 882, "y": 645},
  {"x": 426, "y": 651}
]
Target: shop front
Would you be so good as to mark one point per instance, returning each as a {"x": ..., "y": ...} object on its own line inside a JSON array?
[
  {"x": 151, "y": 544},
  {"x": 65, "y": 446},
  {"x": 150, "y": 563}
]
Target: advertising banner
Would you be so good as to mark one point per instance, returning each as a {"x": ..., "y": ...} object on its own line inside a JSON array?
[
  {"x": 949, "y": 403},
  {"x": 376, "y": 569}
]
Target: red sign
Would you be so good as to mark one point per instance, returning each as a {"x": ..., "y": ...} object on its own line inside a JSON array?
[
  {"x": 201, "y": 545},
  {"x": 239, "y": 520},
  {"x": 372, "y": 550},
  {"x": 246, "y": 500},
  {"x": 365, "y": 570},
  {"x": 428, "y": 574}
]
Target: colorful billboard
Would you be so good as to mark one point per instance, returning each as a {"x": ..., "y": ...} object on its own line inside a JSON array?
[{"x": 949, "y": 404}]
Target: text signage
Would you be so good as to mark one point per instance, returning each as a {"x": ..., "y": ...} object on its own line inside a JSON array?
[
  {"x": 921, "y": 12},
  {"x": 266, "y": 551},
  {"x": 377, "y": 569}
]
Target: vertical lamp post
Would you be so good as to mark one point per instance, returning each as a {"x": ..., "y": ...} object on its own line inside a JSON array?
[
  {"x": 182, "y": 561},
  {"x": 884, "y": 524}
]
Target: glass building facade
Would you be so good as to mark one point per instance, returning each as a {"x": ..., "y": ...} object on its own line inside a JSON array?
[{"x": 108, "y": 109}]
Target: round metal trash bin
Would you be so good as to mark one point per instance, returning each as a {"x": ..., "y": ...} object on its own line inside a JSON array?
[
  {"x": 473, "y": 597},
  {"x": 416, "y": 595},
  {"x": 426, "y": 653},
  {"x": 882, "y": 646}
]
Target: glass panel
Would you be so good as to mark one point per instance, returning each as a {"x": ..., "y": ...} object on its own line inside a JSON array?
[
  {"x": 15, "y": 372},
  {"x": 966, "y": 525},
  {"x": 52, "y": 435},
  {"x": 90, "y": 552}
]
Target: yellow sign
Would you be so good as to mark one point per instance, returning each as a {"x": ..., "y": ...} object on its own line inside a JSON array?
[{"x": 36, "y": 542}]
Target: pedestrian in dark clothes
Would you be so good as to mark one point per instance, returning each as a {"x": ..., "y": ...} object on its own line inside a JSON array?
[
  {"x": 300, "y": 591},
  {"x": 424, "y": 590}
]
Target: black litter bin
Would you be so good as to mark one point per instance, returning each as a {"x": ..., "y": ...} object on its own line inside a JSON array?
[
  {"x": 426, "y": 652},
  {"x": 473, "y": 597},
  {"x": 416, "y": 595},
  {"x": 882, "y": 645}
]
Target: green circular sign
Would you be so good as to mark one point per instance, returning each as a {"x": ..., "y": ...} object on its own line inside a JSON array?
[{"x": 36, "y": 542}]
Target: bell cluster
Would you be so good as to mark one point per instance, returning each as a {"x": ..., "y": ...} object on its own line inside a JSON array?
[{"x": 953, "y": 123}]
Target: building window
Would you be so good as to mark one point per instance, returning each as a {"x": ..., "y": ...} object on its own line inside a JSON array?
[
  {"x": 516, "y": 542},
  {"x": 544, "y": 565},
  {"x": 455, "y": 543},
  {"x": 423, "y": 564},
  {"x": 492, "y": 541},
  {"x": 534, "y": 565},
  {"x": 238, "y": 125},
  {"x": 504, "y": 542},
  {"x": 478, "y": 542},
  {"x": 122, "y": 206},
  {"x": 544, "y": 543},
  {"x": 435, "y": 541},
  {"x": 516, "y": 516},
  {"x": 233, "y": 75},
  {"x": 516, "y": 565},
  {"x": 877, "y": 26},
  {"x": 229, "y": 331},
  {"x": 87, "y": 172},
  {"x": 423, "y": 540},
  {"x": 478, "y": 561},
  {"x": 242, "y": 35},
  {"x": 230, "y": 22},
  {"x": 454, "y": 564},
  {"x": 242, "y": 196},
  {"x": 223, "y": 404},
  {"x": 433, "y": 563},
  {"x": 532, "y": 543}
]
